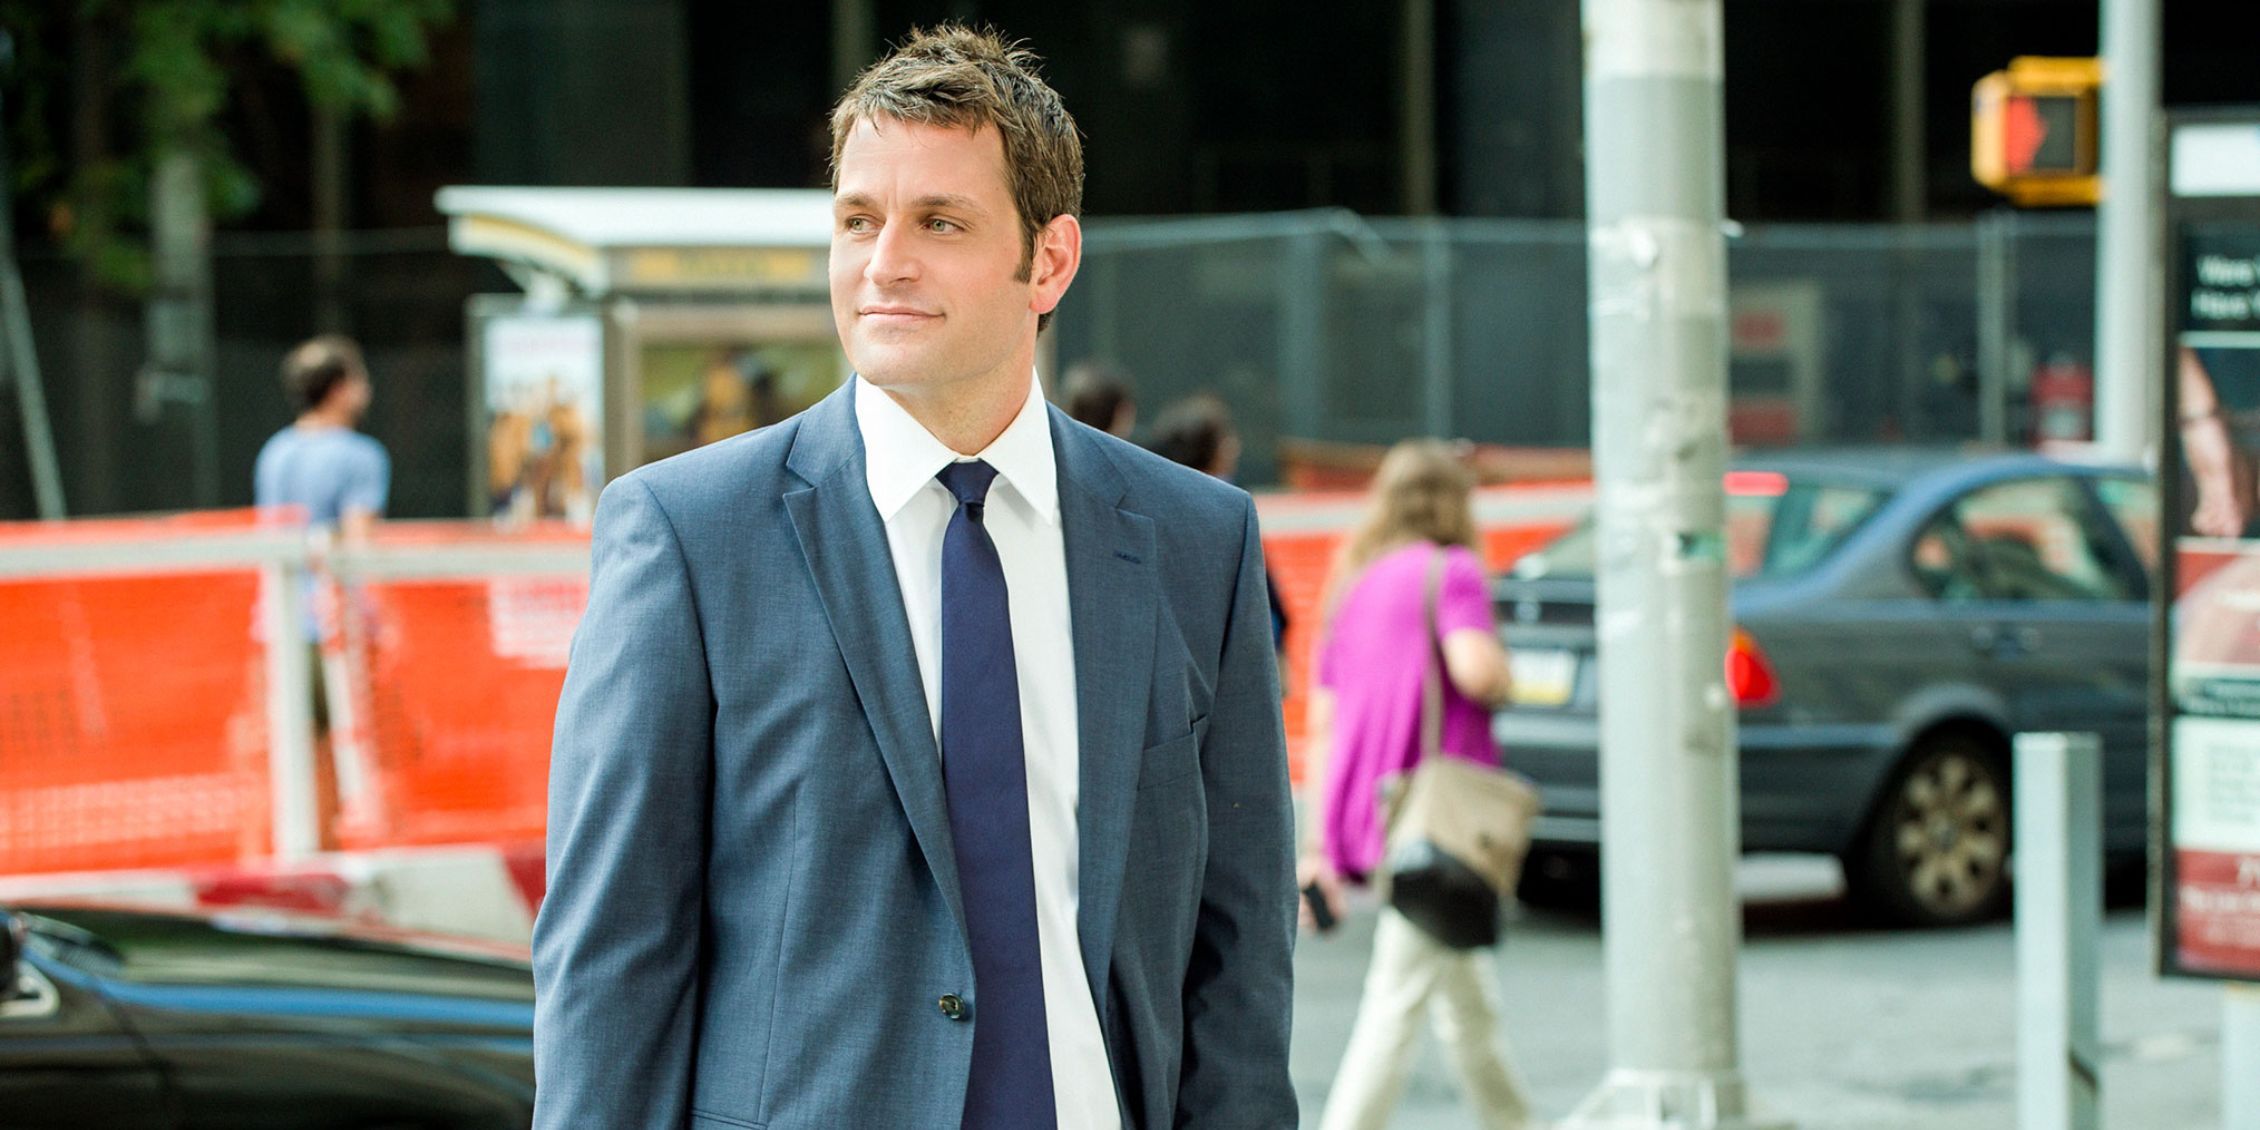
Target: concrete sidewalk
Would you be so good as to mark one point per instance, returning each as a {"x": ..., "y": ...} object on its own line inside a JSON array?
[{"x": 1843, "y": 1027}]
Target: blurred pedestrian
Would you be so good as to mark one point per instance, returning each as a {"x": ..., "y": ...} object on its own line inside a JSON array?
[
  {"x": 1412, "y": 552},
  {"x": 340, "y": 476},
  {"x": 337, "y": 476},
  {"x": 1197, "y": 432},
  {"x": 847, "y": 827},
  {"x": 1098, "y": 393},
  {"x": 340, "y": 479}
]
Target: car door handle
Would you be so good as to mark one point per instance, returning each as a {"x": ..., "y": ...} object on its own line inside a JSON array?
[{"x": 2001, "y": 642}]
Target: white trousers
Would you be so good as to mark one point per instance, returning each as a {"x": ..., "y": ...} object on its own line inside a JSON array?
[{"x": 1412, "y": 973}]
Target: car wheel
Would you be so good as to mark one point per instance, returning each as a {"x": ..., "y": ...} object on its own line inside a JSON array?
[{"x": 1936, "y": 851}]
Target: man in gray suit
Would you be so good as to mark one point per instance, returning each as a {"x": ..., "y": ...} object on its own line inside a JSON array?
[{"x": 919, "y": 764}]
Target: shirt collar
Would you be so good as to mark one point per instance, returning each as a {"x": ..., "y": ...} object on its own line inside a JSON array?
[{"x": 900, "y": 457}]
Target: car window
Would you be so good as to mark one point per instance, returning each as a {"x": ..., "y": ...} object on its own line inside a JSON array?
[
  {"x": 1809, "y": 522},
  {"x": 1775, "y": 527},
  {"x": 2029, "y": 540},
  {"x": 2134, "y": 504}
]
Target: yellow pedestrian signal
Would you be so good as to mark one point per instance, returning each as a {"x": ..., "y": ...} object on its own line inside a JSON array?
[{"x": 2033, "y": 131}]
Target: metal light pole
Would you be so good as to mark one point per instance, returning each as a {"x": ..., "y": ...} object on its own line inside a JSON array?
[
  {"x": 854, "y": 35},
  {"x": 1417, "y": 115},
  {"x": 1655, "y": 204},
  {"x": 178, "y": 315},
  {"x": 1910, "y": 148},
  {"x": 21, "y": 361},
  {"x": 2129, "y": 261}
]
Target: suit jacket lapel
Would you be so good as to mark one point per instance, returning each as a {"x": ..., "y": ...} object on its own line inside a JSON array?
[
  {"x": 1112, "y": 605},
  {"x": 845, "y": 546}
]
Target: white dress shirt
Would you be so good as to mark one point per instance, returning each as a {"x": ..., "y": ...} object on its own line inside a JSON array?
[{"x": 901, "y": 459}]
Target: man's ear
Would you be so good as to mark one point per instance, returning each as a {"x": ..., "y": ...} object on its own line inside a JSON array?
[{"x": 1059, "y": 254}]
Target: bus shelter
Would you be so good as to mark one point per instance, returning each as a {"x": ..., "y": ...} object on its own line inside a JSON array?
[{"x": 648, "y": 322}]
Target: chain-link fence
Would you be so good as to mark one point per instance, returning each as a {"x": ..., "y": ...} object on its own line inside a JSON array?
[
  {"x": 129, "y": 443},
  {"x": 1325, "y": 326},
  {"x": 1319, "y": 326}
]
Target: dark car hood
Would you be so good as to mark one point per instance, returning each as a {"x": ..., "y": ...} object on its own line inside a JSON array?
[{"x": 168, "y": 951}]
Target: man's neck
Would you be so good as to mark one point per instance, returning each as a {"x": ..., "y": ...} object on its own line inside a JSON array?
[
  {"x": 969, "y": 416},
  {"x": 324, "y": 418}
]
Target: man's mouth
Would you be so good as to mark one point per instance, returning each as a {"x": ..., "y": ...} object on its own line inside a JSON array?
[{"x": 895, "y": 315}]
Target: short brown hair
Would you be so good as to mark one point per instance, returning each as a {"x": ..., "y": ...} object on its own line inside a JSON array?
[
  {"x": 1096, "y": 393},
  {"x": 1192, "y": 432},
  {"x": 955, "y": 76},
  {"x": 318, "y": 365}
]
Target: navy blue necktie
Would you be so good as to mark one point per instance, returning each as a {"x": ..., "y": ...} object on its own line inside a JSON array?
[{"x": 986, "y": 774}]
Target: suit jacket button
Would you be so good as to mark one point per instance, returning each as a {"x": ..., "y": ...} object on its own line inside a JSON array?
[{"x": 953, "y": 1007}]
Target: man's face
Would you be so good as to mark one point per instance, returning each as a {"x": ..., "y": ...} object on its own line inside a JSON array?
[{"x": 927, "y": 286}]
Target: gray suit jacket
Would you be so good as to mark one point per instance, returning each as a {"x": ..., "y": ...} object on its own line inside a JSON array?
[{"x": 753, "y": 906}]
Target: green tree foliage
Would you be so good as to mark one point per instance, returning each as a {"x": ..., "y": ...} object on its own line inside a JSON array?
[{"x": 174, "y": 65}]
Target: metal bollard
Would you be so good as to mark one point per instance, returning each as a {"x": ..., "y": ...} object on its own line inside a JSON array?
[
  {"x": 290, "y": 715},
  {"x": 2240, "y": 1058},
  {"x": 2059, "y": 907}
]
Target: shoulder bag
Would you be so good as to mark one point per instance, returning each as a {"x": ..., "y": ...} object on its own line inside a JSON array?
[{"x": 1457, "y": 830}]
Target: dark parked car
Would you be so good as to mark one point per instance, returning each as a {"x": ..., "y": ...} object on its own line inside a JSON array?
[
  {"x": 123, "y": 1019},
  {"x": 1898, "y": 615}
]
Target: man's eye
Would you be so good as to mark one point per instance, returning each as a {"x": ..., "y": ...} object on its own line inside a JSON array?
[
  {"x": 857, "y": 225},
  {"x": 941, "y": 226}
]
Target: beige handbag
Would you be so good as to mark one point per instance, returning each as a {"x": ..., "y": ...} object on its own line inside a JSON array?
[{"x": 1458, "y": 831}]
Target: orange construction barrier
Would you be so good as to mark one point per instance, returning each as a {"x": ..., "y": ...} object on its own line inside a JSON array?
[
  {"x": 456, "y": 683},
  {"x": 132, "y": 708}
]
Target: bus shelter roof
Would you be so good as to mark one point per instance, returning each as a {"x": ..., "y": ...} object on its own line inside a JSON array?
[{"x": 603, "y": 241}]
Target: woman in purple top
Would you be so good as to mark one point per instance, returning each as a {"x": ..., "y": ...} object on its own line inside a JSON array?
[{"x": 1365, "y": 719}]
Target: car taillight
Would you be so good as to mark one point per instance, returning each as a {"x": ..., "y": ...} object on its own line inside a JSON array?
[
  {"x": 1749, "y": 674},
  {"x": 1757, "y": 484}
]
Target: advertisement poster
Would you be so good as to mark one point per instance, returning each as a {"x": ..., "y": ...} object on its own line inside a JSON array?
[
  {"x": 2212, "y": 874},
  {"x": 697, "y": 392},
  {"x": 544, "y": 402}
]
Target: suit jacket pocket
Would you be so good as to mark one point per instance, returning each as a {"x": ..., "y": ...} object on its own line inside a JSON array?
[
  {"x": 700, "y": 1118},
  {"x": 1174, "y": 760}
]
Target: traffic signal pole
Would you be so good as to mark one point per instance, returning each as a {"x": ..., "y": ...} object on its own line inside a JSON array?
[
  {"x": 2130, "y": 269},
  {"x": 1656, "y": 254}
]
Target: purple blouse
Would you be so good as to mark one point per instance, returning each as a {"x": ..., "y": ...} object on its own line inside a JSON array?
[{"x": 1375, "y": 652}]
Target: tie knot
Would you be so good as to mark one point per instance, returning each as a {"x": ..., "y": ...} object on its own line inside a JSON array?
[{"x": 968, "y": 481}]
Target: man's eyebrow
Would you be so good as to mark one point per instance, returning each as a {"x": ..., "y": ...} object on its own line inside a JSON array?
[
  {"x": 946, "y": 201},
  {"x": 949, "y": 201}
]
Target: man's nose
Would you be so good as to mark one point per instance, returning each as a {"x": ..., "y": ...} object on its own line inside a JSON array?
[{"x": 893, "y": 256}]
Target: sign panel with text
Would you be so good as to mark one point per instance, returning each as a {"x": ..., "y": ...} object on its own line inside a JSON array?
[{"x": 2208, "y": 829}]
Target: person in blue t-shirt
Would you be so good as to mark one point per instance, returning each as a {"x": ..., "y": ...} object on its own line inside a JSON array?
[
  {"x": 320, "y": 462},
  {"x": 339, "y": 476}
]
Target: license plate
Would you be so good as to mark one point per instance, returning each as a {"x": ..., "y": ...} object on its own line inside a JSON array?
[{"x": 1542, "y": 676}]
